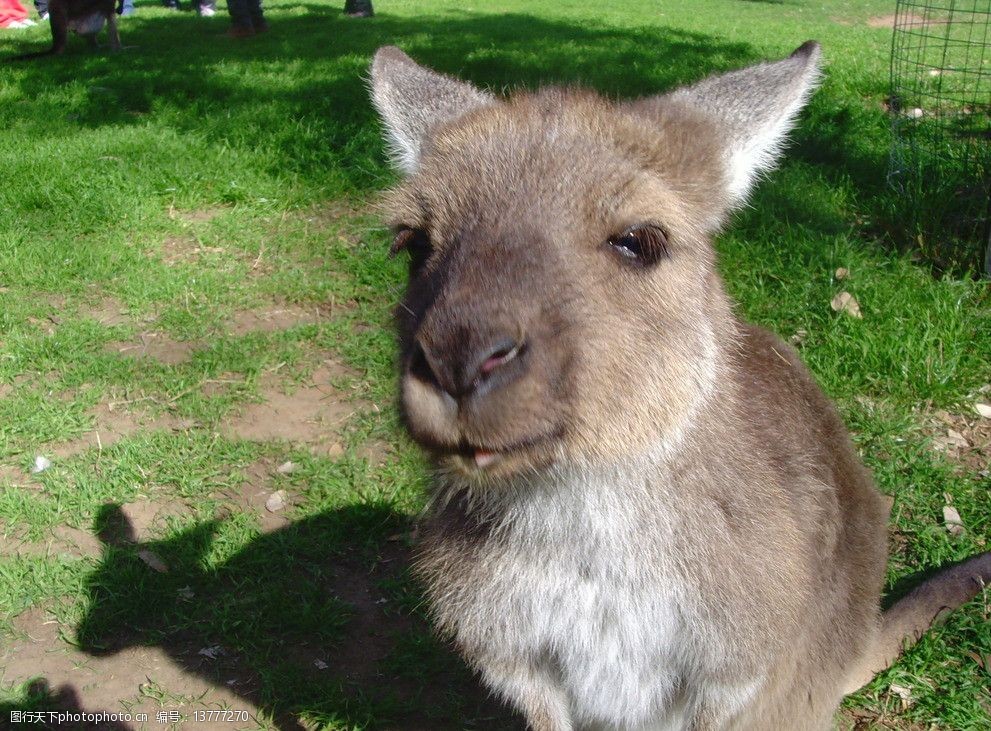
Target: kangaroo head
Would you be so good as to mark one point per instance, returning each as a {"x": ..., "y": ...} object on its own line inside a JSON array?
[{"x": 563, "y": 301}]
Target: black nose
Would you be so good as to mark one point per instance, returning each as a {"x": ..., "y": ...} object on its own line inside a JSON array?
[{"x": 461, "y": 368}]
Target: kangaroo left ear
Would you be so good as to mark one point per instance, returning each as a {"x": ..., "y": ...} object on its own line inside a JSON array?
[
  {"x": 412, "y": 99},
  {"x": 756, "y": 108}
]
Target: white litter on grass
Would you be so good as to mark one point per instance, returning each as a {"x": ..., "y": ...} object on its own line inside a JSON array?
[
  {"x": 952, "y": 520},
  {"x": 846, "y": 302},
  {"x": 40, "y": 464},
  {"x": 903, "y": 693}
]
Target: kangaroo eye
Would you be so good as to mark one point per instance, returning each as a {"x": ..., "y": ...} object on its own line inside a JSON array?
[
  {"x": 416, "y": 242},
  {"x": 643, "y": 244}
]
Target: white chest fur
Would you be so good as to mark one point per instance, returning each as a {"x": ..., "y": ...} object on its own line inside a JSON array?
[{"x": 580, "y": 583}]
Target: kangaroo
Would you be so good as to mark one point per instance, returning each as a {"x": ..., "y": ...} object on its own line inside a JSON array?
[
  {"x": 83, "y": 17},
  {"x": 646, "y": 514}
]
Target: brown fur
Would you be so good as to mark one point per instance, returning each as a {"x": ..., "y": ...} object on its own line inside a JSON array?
[
  {"x": 628, "y": 410},
  {"x": 78, "y": 16}
]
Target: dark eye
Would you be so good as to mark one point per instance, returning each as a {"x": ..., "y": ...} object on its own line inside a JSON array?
[
  {"x": 416, "y": 242},
  {"x": 643, "y": 244}
]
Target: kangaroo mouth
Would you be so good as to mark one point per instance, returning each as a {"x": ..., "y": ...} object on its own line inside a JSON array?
[{"x": 474, "y": 459}]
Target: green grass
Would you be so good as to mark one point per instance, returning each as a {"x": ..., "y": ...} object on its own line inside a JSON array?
[{"x": 192, "y": 177}]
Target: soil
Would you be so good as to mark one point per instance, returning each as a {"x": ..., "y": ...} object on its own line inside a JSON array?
[
  {"x": 272, "y": 319},
  {"x": 906, "y": 20},
  {"x": 149, "y": 672},
  {"x": 153, "y": 672},
  {"x": 311, "y": 414},
  {"x": 184, "y": 249},
  {"x": 156, "y": 346},
  {"x": 145, "y": 518},
  {"x": 108, "y": 312},
  {"x": 963, "y": 438},
  {"x": 130, "y": 679},
  {"x": 110, "y": 425},
  {"x": 63, "y": 541},
  {"x": 199, "y": 215},
  {"x": 252, "y": 494}
]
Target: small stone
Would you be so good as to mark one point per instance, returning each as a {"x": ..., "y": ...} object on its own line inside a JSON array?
[
  {"x": 983, "y": 409},
  {"x": 153, "y": 561},
  {"x": 286, "y": 468},
  {"x": 842, "y": 273},
  {"x": 320, "y": 665},
  {"x": 276, "y": 501}
]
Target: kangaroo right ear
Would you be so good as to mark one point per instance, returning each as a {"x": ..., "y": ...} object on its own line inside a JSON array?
[
  {"x": 412, "y": 99},
  {"x": 756, "y": 108}
]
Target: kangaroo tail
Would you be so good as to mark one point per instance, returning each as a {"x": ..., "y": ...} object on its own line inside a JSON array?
[{"x": 926, "y": 605}]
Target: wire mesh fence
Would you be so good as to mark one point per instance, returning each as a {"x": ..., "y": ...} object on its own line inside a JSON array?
[{"x": 941, "y": 110}]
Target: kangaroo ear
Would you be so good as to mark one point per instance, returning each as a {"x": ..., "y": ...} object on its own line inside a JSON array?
[
  {"x": 756, "y": 108},
  {"x": 412, "y": 99}
]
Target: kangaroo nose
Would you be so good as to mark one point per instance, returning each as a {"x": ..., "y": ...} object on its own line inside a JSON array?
[{"x": 463, "y": 369}]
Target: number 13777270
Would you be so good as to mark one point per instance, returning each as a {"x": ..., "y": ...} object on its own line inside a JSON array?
[{"x": 226, "y": 715}]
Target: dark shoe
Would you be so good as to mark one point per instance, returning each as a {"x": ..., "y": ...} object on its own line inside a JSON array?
[{"x": 240, "y": 31}]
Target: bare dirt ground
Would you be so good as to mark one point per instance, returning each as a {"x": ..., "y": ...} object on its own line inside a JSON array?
[
  {"x": 906, "y": 20},
  {"x": 140, "y": 679},
  {"x": 964, "y": 438},
  {"x": 180, "y": 674},
  {"x": 311, "y": 413},
  {"x": 190, "y": 674},
  {"x": 157, "y": 346}
]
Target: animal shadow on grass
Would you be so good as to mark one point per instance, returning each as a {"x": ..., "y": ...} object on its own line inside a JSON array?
[
  {"x": 315, "y": 622},
  {"x": 40, "y": 697}
]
